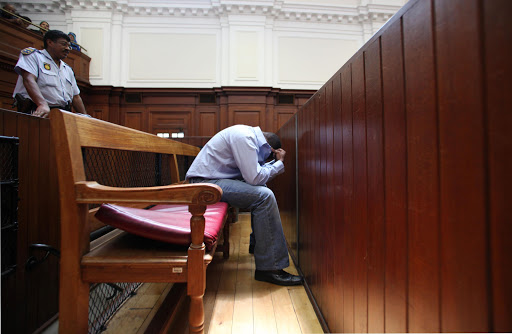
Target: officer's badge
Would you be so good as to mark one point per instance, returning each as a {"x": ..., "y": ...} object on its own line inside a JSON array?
[
  {"x": 27, "y": 51},
  {"x": 47, "y": 66}
]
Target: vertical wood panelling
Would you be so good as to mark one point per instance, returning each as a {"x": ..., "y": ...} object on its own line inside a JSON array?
[
  {"x": 282, "y": 115},
  {"x": 316, "y": 153},
  {"x": 133, "y": 120},
  {"x": 497, "y": 43},
  {"x": 52, "y": 303},
  {"x": 395, "y": 180},
  {"x": 303, "y": 186},
  {"x": 208, "y": 124},
  {"x": 360, "y": 196},
  {"x": 330, "y": 219},
  {"x": 31, "y": 232},
  {"x": 376, "y": 229},
  {"x": 347, "y": 178},
  {"x": 287, "y": 202},
  {"x": 419, "y": 126},
  {"x": 291, "y": 144},
  {"x": 35, "y": 290},
  {"x": 251, "y": 118},
  {"x": 322, "y": 195},
  {"x": 309, "y": 174},
  {"x": 462, "y": 167},
  {"x": 336, "y": 202},
  {"x": 43, "y": 273},
  {"x": 10, "y": 121},
  {"x": 301, "y": 183},
  {"x": 24, "y": 206},
  {"x": 422, "y": 169}
]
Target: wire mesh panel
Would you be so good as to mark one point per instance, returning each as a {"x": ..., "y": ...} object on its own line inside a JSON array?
[
  {"x": 104, "y": 300},
  {"x": 118, "y": 168},
  {"x": 123, "y": 168},
  {"x": 9, "y": 202}
]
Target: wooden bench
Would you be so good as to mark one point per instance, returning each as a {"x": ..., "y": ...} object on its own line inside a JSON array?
[{"x": 120, "y": 256}]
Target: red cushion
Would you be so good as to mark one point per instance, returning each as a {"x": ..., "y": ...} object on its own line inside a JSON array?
[{"x": 168, "y": 223}]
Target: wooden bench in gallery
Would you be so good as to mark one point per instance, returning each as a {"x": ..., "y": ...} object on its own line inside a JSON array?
[{"x": 163, "y": 233}]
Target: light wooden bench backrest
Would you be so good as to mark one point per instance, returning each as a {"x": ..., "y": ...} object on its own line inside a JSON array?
[{"x": 89, "y": 132}]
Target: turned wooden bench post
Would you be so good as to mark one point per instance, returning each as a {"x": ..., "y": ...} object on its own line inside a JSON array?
[{"x": 196, "y": 273}]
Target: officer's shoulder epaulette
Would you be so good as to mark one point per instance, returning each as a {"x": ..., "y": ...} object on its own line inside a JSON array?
[{"x": 28, "y": 51}]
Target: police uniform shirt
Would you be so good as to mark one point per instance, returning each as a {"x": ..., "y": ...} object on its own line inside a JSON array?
[{"x": 57, "y": 84}]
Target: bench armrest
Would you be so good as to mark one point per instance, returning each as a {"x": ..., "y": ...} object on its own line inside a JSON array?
[{"x": 197, "y": 193}]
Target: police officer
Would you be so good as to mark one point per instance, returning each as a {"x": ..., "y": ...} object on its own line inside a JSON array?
[{"x": 44, "y": 80}]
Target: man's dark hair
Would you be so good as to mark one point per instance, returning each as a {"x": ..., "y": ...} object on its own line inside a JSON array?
[
  {"x": 273, "y": 140},
  {"x": 54, "y": 35}
]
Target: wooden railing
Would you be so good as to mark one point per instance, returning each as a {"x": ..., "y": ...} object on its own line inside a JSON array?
[{"x": 403, "y": 170}]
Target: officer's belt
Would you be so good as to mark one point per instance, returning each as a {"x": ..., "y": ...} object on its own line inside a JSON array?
[
  {"x": 67, "y": 107},
  {"x": 27, "y": 106}
]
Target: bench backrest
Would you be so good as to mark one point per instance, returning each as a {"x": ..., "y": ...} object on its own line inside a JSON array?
[
  {"x": 71, "y": 133},
  {"x": 89, "y": 132}
]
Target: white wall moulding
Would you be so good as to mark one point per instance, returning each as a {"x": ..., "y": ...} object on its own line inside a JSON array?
[{"x": 212, "y": 43}]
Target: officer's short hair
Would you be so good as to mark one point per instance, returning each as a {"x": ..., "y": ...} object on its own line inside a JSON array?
[{"x": 54, "y": 35}]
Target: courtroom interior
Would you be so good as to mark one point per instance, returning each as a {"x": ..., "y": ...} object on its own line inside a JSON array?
[{"x": 396, "y": 121}]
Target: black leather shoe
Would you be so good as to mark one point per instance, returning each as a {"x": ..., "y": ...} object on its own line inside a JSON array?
[
  {"x": 279, "y": 277},
  {"x": 251, "y": 249}
]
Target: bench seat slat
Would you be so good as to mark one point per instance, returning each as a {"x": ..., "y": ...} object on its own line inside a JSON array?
[{"x": 126, "y": 256}]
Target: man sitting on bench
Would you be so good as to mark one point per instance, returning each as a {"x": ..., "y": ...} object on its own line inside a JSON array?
[{"x": 234, "y": 159}]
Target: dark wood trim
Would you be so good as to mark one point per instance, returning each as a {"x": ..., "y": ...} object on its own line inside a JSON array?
[{"x": 167, "y": 312}]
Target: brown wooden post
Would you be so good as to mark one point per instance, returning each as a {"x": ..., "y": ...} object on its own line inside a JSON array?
[
  {"x": 196, "y": 282},
  {"x": 74, "y": 293}
]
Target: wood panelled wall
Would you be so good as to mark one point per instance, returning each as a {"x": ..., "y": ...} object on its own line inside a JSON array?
[
  {"x": 196, "y": 112},
  {"x": 404, "y": 160},
  {"x": 30, "y": 295}
]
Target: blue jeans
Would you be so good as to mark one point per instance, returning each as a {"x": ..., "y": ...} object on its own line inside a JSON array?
[{"x": 270, "y": 251}]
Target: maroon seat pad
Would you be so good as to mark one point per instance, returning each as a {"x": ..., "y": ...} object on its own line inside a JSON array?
[{"x": 168, "y": 223}]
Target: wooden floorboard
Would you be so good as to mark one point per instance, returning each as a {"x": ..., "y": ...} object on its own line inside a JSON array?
[{"x": 234, "y": 301}]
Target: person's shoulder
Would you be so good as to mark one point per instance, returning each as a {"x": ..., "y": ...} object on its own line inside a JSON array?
[
  {"x": 242, "y": 133},
  {"x": 28, "y": 51},
  {"x": 241, "y": 128}
]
